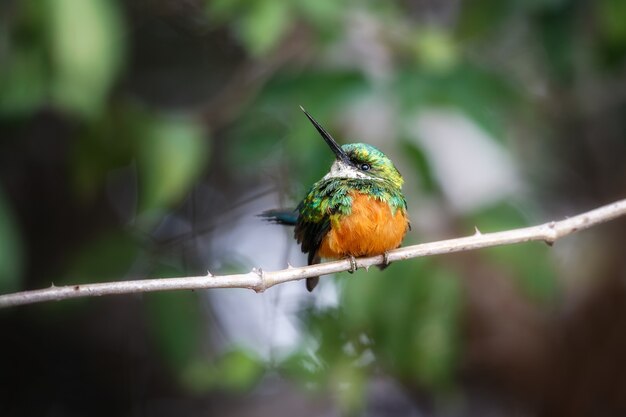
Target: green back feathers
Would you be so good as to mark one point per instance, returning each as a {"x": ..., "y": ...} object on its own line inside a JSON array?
[{"x": 332, "y": 196}]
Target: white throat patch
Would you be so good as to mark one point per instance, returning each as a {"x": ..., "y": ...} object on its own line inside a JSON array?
[{"x": 340, "y": 169}]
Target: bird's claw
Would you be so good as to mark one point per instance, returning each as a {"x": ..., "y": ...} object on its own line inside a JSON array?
[
  {"x": 353, "y": 266},
  {"x": 386, "y": 261}
]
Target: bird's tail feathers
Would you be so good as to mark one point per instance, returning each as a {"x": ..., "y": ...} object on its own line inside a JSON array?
[
  {"x": 311, "y": 283},
  {"x": 288, "y": 217}
]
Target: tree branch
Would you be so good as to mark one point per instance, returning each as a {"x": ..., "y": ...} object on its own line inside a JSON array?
[{"x": 259, "y": 280}]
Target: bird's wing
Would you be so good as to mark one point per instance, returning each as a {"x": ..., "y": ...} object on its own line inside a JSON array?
[
  {"x": 325, "y": 199},
  {"x": 312, "y": 225},
  {"x": 310, "y": 234}
]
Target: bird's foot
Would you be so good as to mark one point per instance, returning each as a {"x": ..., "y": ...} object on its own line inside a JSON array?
[
  {"x": 353, "y": 266},
  {"x": 386, "y": 261}
]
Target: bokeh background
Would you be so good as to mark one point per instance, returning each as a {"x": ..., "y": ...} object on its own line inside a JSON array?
[{"x": 141, "y": 138}]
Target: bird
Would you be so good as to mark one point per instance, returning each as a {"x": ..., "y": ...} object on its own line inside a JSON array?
[{"x": 357, "y": 209}]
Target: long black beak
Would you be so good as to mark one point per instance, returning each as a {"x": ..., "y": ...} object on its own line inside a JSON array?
[{"x": 334, "y": 146}]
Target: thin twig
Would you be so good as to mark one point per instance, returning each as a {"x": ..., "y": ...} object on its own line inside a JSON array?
[{"x": 259, "y": 280}]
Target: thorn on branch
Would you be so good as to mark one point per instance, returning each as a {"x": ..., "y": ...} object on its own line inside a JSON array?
[
  {"x": 551, "y": 234},
  {"x": 476, "y": 231}
]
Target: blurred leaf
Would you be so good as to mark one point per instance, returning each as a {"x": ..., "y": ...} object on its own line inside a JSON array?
[
  {"x": 86, "y": 47},
  {"x": 222, "y": 10},
  {"x": 238, "y": 370},
  {"x": 482, "y": 17},
  {"x": 483, "y": 96},
  {"x": 324, "y": 14},
  {"x": 536, "y": 277},
  {"x": 349, "y": 384},
  {"x": 11, "y": 249},
  {"x": 259, "y": 23},
  {"x": 257, "y": 140},
  {"x": 171, "y": 154},
  {"x": 199, "y": 375},
  {"x": 437, "y": 333},
  {"x": 408, "y": 315},
  {"x": 22, "y": 83},
  {"x": 322, "y": 94},
  {"x": 105, "y": 144},
  {"x": 611, "y": 45},
  {"x": 612, "y": 15},
  {"x": 23, "y": 60},
  {"x": 110, "y": 257},
  {"x": 435, "y": 50},
  {"x": 302, "y": 367},
  {"x": 411, "y": 313},
  {"x": 175, "y": 323},
  {"x": 556, "y": 37},
  {"x": 545, "y": 5},
  {"x": 264, "y": 24},
  {"x": 334, "y": 366},
  {"x": 419, "y": 160},
  {"x": 280, "y": 125},
  {"x": 331, "y": 336},
  {"x": 316, "y": 91}
]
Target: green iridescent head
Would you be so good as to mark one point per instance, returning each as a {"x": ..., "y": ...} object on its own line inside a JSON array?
[
  {"x": 370, "y": 162},
  {"x": 359, "y": 160}
]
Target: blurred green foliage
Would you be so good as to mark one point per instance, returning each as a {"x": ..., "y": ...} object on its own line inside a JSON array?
[
  {"x": 532, "y": 266},
  {"x": 260, "y": 24},
  {"x": 413, "y": 324},
  {"x": 63, "y": 52},
  {"x": 11, "y": 257},
  {"x": 236, "y": 371},
  {"x": 106, "y": 258},
  {"x": 84, "y": 42},
  {"x": 404, "y": 320},
  {"x": 175, "y": 322},
  {"x": 171, "y": 154},
  {"x": 540, "y": 67}
]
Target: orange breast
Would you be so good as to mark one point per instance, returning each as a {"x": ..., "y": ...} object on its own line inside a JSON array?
[{"x": 370, "y": 229}]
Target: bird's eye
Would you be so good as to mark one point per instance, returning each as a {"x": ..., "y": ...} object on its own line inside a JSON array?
[{"x": 365, "y": 167}]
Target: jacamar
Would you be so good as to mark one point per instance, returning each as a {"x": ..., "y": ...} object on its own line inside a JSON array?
[{"x": 356, "y": 209}]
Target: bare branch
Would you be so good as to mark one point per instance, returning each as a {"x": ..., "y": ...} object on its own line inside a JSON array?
[{"x": 259, "y": 280}]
